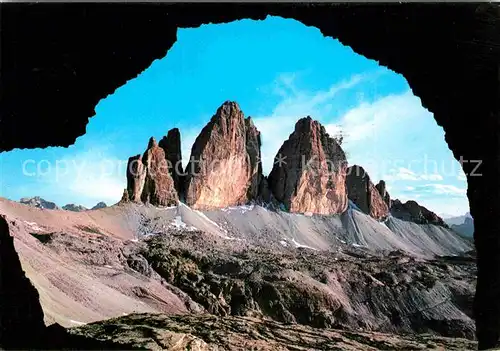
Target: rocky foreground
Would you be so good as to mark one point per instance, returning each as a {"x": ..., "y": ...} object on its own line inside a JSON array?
[
  {"x": 314, "y": 277},
  {"x": 212, "y": 333}
]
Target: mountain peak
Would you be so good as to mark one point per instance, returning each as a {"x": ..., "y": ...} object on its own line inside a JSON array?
[{"x": 38, "y": 202}]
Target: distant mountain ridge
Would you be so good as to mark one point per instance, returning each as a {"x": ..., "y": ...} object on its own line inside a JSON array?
[
  {"x": 38, "y": 202},
  {"x": 463, "y": 225}
]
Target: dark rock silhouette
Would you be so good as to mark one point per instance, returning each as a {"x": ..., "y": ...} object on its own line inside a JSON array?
[
  {"x": 21, "y": 315},
  {"x": 171, "y": 145}
]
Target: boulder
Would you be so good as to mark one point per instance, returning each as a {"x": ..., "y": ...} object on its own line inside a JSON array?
[{"x": 309, "y": 171}]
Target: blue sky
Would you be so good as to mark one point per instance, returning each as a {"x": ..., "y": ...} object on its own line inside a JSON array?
[{"x": 278, "y": 71}]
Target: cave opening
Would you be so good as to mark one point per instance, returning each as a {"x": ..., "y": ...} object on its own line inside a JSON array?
[{"x": 452, "y": 97}]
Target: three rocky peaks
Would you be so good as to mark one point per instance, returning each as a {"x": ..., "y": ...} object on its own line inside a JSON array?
[{"x": 310, "y": 173}]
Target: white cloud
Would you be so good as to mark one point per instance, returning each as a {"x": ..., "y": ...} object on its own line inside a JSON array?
[
  {"x": 445, "y": 189},
  {"x": 431, "y": 177},
  {"x": 87, "y": 177},
  {"x": 461, "y": 176},
  {"x": 408, "y": 175},
  {"x": 391, "y": 137},
  {"x": 276, "y": 127},
  {"x": 433, "y": 189},
  {"x": 401, "y": 174}
]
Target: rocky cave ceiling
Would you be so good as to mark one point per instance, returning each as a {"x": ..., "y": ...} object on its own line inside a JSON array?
[{"x": 59, "y": 60}]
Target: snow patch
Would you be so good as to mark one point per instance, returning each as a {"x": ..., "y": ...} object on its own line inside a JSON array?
[
  {"x": 242, "y": 209},
  {"x": 167, "y": 208},
  {"x": 34, "y": 226},
  {"x": 179, "y": 224},
  {"x": 284, "y": 243},
  {"x": 358, "y": 245},
  {"x": 297, "y": 245},
  {"x": 202, "y": 215},
  {"x": 77, "y": 322}
]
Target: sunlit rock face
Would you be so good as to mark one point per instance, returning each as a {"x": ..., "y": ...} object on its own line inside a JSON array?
[
  {"x": 159, "y": 188},
  {"x": 364, "y": 194},
  {"x": 148, "y": 178},
  {"x": 224, "y": 167},
  {"x": 308, "y": 174}
]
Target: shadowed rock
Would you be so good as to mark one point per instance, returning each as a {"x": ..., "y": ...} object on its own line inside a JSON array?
[
  {"x": 309, "y": 171},
  {"x": 382, "y": 190},
  {"x": 171, "y": 145},
  {"x": 136, "y": 174},
  {"x": 364, "y": 194},
  {"x": 412, "y": 211}
]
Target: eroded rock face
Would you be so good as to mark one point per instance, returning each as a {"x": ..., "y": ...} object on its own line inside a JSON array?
[
  {"x": 223, "y": 168},
  {"x": 309, "y": 171},
  {"x": 412, "y": 211},
  {"x": 159, "y": 189},
  {"x": 364, "y": 194},
  {"x": 171, "y": 145},
  {"x": 136, "y": 174},
  {"x": 253, "y": 145},
  {"x": 384, "y": 193},
  {"x": 148, "y": 178}
]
